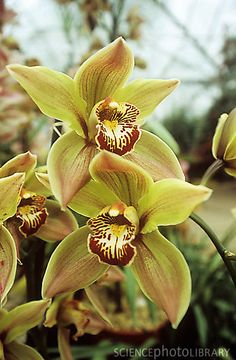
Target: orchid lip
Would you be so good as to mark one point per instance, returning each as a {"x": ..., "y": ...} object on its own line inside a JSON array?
[
  {"x": 31, "y": 212},
  {"x": 117, "y": 128},
  {"x": 112, "y": 234}
]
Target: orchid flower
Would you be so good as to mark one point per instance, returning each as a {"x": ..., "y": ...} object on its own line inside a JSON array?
[
  {"x": 34, "y": 213},
  {"x": 125, "y": 206},
  {"x": 103, "y": 113},
  {"x": 14, "y": 324},
  {"x": 224, "y": 142},
  {"x": 65, "y": 311}
]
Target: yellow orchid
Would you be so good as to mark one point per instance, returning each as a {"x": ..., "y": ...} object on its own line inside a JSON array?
[
  {"x": 125, "y": 206},
  {"x": 14, "y": 324},
  {"x": 103, "y": 113},
  {"x": 224, "y": 142}
]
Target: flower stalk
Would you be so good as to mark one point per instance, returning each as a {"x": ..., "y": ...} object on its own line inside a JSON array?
[
  {"x": 212, "y": 170},
  {"x": 218, "y": 245}
]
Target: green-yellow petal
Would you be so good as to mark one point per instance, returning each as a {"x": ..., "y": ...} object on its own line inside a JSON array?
[
  {"x": 8, "y": 262},
  {"x": 124, "y": 178},
  {"x": 68, "y": 163},
  {"x": 230, "y": 151},
  {"x": 36, "y": 183},
  {"x": 217, "y": 148},
  {"x": 10, "y": 188},
  {"x": 63, "y": 339},
  {"x": 146, "y": 94},
  {"x": 92, "y": 198},
  {"x": 52, "y": 91},
  {"x": 92, "y": 293},
  {"x": 58, "y": 224},
  {"x": 71, "y": 266},
  {"x": 22, "y": 318},
  {"x": 163, "y": 275},
  {"x": 231, "y": 171},
  {"x": 224, "y": 134},
  {"x": 22, "y": 163},
  {"x": 169, "y": 202},
  {"x": 16, "y": 351},
  {"x": 156, "y": 157},
  {"x": 103, "y": 73}
]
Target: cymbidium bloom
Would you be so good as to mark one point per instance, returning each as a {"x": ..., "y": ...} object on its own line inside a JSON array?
[
  {"x": 65, "y": 311},
  {"x": 102, "y": 112},
  {"x": 224, "y": 142},
  {"x": 125, "y": 206},
  {"x": 34, "y": 213},
  {"x": 14, "y": 324}
]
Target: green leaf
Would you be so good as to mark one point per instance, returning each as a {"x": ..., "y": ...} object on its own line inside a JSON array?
[
  {"x": 202, "y": 325},
  {"x": 131, "y": 291}
]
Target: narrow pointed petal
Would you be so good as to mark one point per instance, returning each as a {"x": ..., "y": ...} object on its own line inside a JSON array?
[
  {"x": 22, "y": 318},
  {"x": 52, "y": 91},
  {"x": 217, "y": 147},
  {"x": 23, "y": 163},
  {"x": 231, "y": 171},
  {"x": 224, "y": 134},
  {"x": 125, "y": 179},
  {"x": 230, "y": 152},
  {"x": 44, "y": 180},
  {"x": 71, "y": 266},
  {"x": 63, "y": 338},
  {"x": 8, "y": 262},
  {"x": 103, "y": 73},
  {"x": 155, "y": 156},
  {"x": 92, "y": 198},
  {"x": 68, "y": 163},
  {"x": 16, "y": 351},
  {"x": 58, "y": 224},
  {"x": 146, "y": 94},
  {"x": 163, "y": 275},
  {"x": 92, "y": 293},
  {"x": 169, "y": 202},
  {"x": 10, "y": 188},
  {"x": 38, "y": 182}
]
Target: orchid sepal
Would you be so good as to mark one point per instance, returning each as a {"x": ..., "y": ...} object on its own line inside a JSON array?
[
  {"x": 163, "y": 275},
  {"x": 78, "y": 268}
]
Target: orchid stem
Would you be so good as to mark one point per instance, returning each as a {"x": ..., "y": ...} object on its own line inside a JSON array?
[
  {"x": 218, "y": 245},
  {"x": 211, "y": 171}
]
